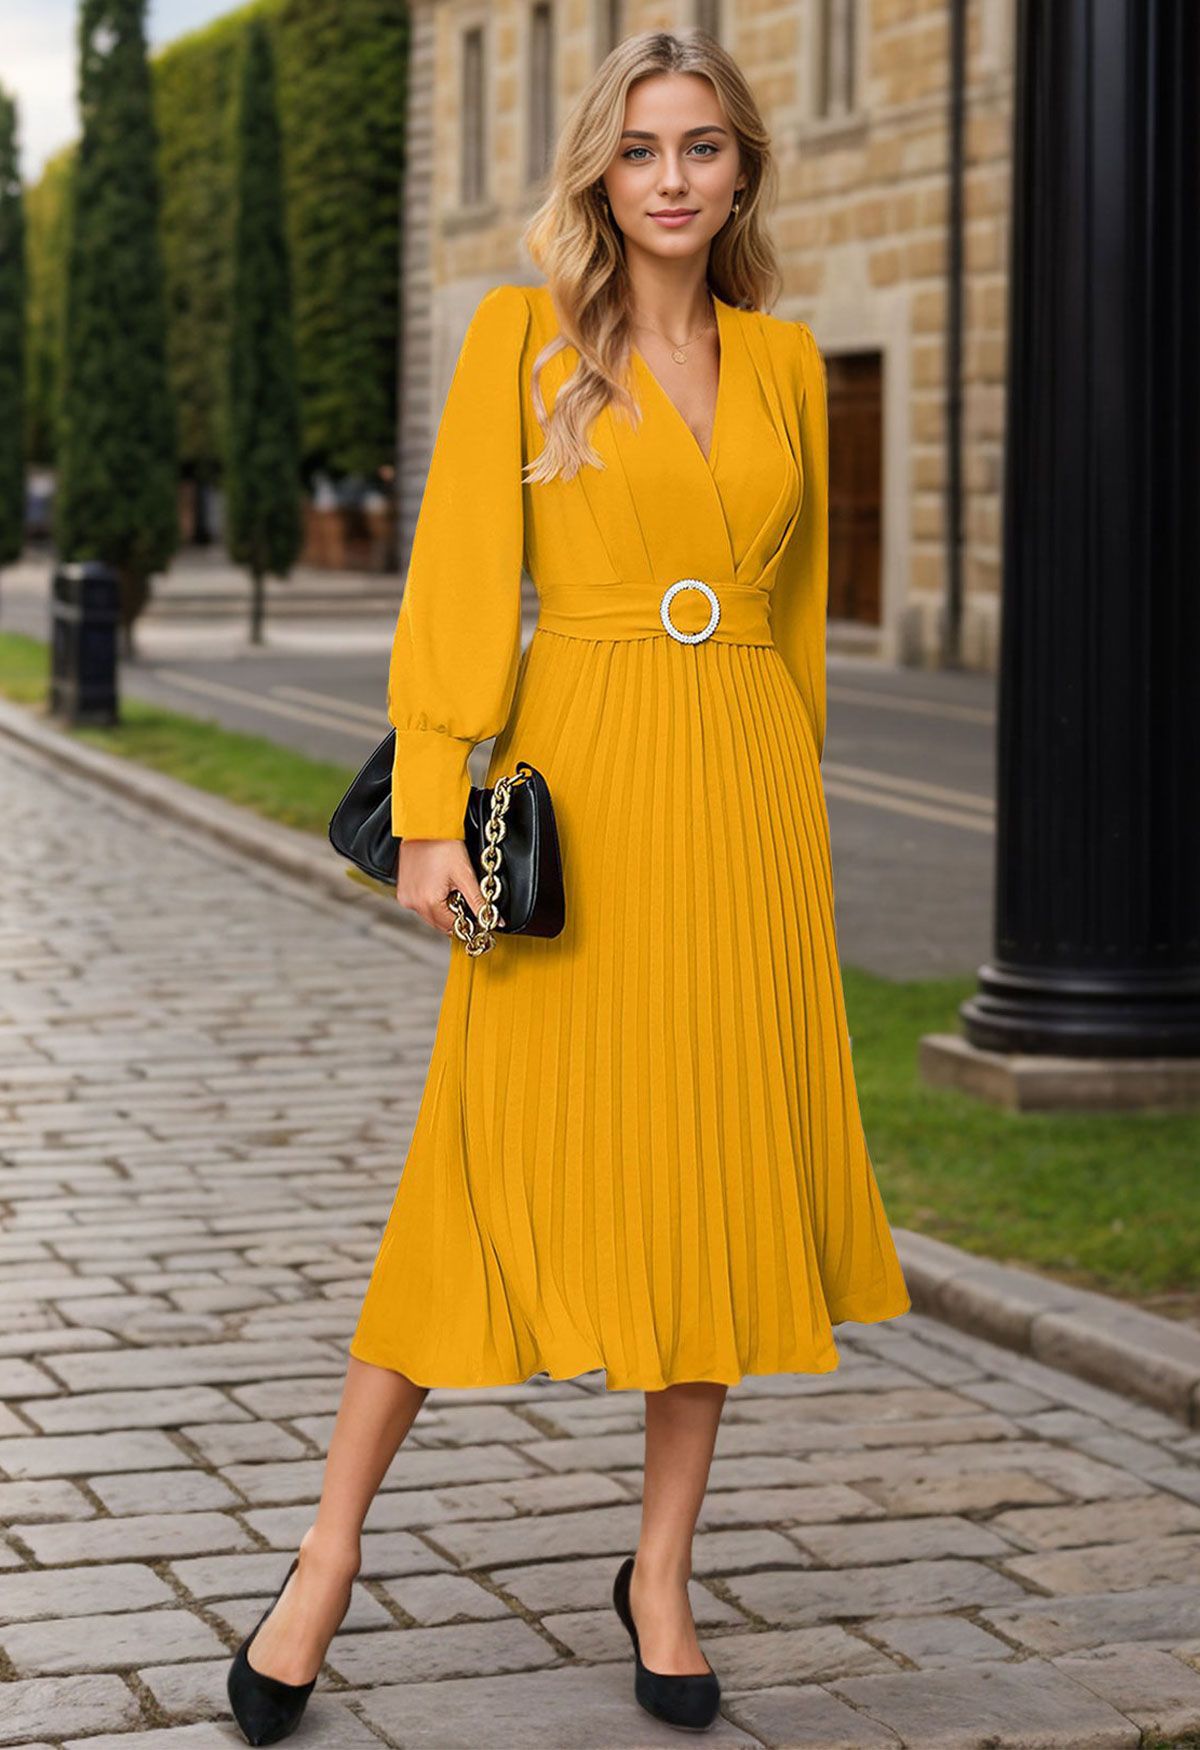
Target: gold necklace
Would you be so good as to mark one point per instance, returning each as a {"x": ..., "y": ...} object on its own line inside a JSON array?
[{"x": 677, "y": 352}]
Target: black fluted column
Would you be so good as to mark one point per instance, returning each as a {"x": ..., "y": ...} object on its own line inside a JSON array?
[{"x": 1097, "y": 902}]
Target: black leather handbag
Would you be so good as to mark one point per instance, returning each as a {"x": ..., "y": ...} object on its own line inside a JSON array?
[{"x": 511, "y": 838}]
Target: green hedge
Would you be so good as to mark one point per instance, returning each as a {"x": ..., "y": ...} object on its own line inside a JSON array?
[
  {"x": 194, "y": 86},
  {"x": 342, "y": 88},
  {"x": 45, "y": 260}
]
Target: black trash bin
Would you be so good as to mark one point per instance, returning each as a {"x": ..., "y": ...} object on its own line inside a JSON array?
[{"x": 85, "y": 602}]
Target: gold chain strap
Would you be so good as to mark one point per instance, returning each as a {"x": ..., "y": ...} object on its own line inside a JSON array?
[{"x": 476, "y": 934}]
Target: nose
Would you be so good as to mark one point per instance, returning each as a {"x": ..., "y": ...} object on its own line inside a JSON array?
[{"x": 672, "y": 182}]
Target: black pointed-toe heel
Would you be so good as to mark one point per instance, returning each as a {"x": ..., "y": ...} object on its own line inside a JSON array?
[
  {"x": 687, "y": 1700},
  {"x": 266, "y": 1708}
]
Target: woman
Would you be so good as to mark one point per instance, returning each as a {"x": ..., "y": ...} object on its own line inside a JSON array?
[{"x": 639, "y": 1145}]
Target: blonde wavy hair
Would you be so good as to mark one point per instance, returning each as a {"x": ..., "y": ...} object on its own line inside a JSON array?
[{"x": 575, "y": 241}]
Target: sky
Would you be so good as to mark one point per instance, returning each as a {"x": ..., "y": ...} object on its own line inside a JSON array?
[{"x": 37, "y": 64}]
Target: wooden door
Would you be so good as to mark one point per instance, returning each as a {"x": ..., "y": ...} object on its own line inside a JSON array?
[{"x": 855, "y": 486}]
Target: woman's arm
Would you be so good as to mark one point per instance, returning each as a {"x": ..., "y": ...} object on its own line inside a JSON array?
[
  {"x": 457, "y": 642},
  {"x": 800, "y": 596}
]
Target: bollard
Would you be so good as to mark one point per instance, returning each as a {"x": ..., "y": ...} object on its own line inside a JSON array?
[{"x": 85, "y": 599}]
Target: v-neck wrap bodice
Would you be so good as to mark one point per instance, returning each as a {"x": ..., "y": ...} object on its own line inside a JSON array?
[
  {"x": 751, "y": 516},
  {"x": 642, "y": 364}
]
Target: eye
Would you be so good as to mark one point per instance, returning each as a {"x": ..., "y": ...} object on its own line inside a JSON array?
[{"x": 708, "y": 148}]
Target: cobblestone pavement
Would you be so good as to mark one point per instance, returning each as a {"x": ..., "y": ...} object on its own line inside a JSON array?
[{"x": 208, "y": 1077}]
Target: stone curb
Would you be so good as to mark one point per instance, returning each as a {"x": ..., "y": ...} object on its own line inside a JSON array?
[
  {"x": 1109, "y": 1342},
  {"x": 1106, "y": 1341}
]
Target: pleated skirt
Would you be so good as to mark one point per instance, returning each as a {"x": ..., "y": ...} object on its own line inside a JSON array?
[{"x": 639, "y": 1145}]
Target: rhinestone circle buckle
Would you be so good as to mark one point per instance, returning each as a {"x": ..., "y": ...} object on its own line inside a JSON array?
[{"x": 664, "y": 610}]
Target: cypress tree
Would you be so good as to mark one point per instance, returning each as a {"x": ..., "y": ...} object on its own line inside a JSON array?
[
  {"x": 12, "y": 343},
  {"x": 264, "y": 526},
  {"x": 116, "y": 497},
  {"x": 342, "y": 96}
]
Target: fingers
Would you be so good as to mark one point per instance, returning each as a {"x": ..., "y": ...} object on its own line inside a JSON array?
[
  {"x": 471, "y": 891},
  {"x": 428, "y": 873},
  {"x": 437, "y": 913},
  {"x": 467, "y": 882},
  {"x": 475, "y": 900},
  {"x": 440, "y": 915}
]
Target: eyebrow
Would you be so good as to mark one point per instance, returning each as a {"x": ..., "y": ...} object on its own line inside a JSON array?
[{"x": 704, "y": 128}]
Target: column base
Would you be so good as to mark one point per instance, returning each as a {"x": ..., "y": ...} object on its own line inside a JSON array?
[
  {"x": 1021, "y": 1082},
  {"x": 1079, "y": 1014}
]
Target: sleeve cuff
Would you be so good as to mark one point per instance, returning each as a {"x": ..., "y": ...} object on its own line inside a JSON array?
[{"x": 430, "y": 784}]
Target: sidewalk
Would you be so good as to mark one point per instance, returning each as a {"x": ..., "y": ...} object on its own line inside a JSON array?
[
  {"x": 200, "y": 609},
  {"x": 208, "y": 1072}
]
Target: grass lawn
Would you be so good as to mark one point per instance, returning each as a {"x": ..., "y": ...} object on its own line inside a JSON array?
[
  {"x": 249, "y": 769},
  {"x": 1108, "y": 1202}
]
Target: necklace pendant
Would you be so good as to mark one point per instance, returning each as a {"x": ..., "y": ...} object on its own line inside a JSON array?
[{"x": 679, "y": 356}]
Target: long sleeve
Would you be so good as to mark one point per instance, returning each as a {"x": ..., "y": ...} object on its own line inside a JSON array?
[
  {"x": 457, "y": 642},
  {"x": 800, "y": 596}
]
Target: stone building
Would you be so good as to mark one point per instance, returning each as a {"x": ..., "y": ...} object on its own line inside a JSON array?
[{"x": 890, "y": 218}]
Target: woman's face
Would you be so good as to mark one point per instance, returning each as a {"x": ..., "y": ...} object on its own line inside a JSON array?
[{"x": 677, "y": 153}]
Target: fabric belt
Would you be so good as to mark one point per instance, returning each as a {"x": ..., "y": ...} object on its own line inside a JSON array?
[{"x": 732, "y": 613}]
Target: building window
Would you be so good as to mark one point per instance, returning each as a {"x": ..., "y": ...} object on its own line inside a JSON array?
[
  {"x": 473, "y": 182},
  {"x": 541, "y": 90},
  {"x": 610, "y": 26},
  {"x": 836, "y": 56},
  {"x": 707, "y": 16}
]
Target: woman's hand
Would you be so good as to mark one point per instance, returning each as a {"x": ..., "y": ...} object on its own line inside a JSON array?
[{"x": 426, "y": 872}]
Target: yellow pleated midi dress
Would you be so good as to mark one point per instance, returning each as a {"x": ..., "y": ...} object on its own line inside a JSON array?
[{"x": 638, "y": 1146}]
